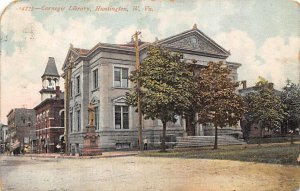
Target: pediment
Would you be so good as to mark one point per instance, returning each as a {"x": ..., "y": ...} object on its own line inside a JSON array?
[
  {"x": 94, "y": 101},
  {"x": 72, "y": 55},
  {"x": 194, "y": 41},
  {"x": 77, "y": 105},
  {"x": 120, "y": 100}
]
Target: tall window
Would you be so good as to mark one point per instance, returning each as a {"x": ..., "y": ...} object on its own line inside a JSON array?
[
  {"x": 62, "y": 119},
  {"x": 121, "y": 77},
  {"x": 78, "y": 120},
  {"x": 78, "y": 84},
  {"x": 95, "y": 79},
  {"x": 97, "y": 117},
  {"x": 71, "y": 122},
  {"x": 121, "y": 117}
]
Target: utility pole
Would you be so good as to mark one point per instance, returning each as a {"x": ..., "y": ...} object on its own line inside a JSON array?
[
  {"x": 68, "y": 77},
  {"x": 137, "y": 67}
]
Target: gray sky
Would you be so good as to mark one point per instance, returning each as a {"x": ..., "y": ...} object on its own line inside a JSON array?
[{"x": 264, "y": 36}]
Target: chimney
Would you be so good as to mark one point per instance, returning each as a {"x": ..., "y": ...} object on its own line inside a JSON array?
[
  {"x": 244, "y": 84},
  {"x": 57, "y": 92},
  {"x": 271, "y": 85}
]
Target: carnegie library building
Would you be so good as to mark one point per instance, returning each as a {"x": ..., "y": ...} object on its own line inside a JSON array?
[{"x": 100, "y": 79}]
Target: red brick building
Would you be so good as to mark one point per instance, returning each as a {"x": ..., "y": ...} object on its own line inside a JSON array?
[
  {"x": 20, "y": 125},
  {"x": 50, "y": 112}
]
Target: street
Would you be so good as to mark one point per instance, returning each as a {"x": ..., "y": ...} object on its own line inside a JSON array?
[{"x": 143, "y": 173}]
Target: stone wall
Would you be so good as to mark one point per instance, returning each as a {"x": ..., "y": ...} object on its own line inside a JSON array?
[{"x": 128, "y": 139}]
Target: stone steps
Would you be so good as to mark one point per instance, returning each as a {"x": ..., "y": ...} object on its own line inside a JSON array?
[{"x": 202, "y": 141}]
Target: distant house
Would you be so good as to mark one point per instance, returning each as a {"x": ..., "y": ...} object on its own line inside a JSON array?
[
  {"x": 254, "y": 130},
  {"x": 20, "y": 123},
  {"x": 49, "y": 126},
  {"x": 3, "y": 136}
]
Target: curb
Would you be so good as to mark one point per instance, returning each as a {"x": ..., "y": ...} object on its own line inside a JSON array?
[{"x": 81, "y": 157}]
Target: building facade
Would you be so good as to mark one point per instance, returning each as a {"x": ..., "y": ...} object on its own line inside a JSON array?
[
  {"x": 49, "y": 126},
  {"x": 20, "y": 123},
  {"x": 100, "y": 78},
  {"x": 3, "y": 137}
]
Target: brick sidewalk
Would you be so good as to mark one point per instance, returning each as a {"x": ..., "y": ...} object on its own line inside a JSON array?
[{"x": 108, "y": 154}]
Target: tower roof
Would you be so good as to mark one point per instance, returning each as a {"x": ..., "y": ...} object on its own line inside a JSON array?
[{"x": 51, "y": 69}]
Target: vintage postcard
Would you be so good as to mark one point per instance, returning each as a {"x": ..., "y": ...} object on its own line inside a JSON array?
[{"x": 150, "y": 95}]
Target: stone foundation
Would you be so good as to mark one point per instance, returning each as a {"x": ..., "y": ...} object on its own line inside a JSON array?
[{"x": 125, "y": 139}]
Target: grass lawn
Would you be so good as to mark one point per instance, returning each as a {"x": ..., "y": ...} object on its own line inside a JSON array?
[{"x": 283, "y": 153}]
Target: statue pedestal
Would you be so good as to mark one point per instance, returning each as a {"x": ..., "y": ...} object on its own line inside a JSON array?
[{"x": 90, "y": 143}]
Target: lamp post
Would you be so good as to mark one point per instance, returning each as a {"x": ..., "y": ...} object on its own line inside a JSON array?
[
  {"x": 68, "y": 76},
  {"x": 137, "y": 67}
]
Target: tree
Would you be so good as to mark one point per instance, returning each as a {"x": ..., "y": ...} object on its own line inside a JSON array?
[
  {"x": 191, "y": 113},
  {"x": 264, "y": 106},
  {"x": 291, "y": 98},
  {"x": 219, "y": 104},
  {"x": 247, "y": 120},
  {"x": 165, "y": 87}
]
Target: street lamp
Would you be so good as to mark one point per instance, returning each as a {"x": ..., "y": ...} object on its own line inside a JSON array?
[{"x": 137, "y": 66}]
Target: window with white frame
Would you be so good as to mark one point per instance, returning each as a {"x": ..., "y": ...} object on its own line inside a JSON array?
[
  {"x": 121, "y": 117},
  {"x": 78, "y": 84},
  {"x": 120, "y": 77},
  {"x": 95, "y": 79}
]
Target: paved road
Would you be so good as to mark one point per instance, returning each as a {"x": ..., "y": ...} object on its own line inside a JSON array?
[{"x": 142, "y": 173}]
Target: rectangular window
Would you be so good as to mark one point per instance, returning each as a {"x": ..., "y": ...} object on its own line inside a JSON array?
[
  {"x": 62, "y": 119},
  {"x": 125, "y": 117},
  {"x": 97, "y": 117},
  {"x": 78, "y": 120},
  {"x": 121, "y": 77},
  {"x": 71, "y": 122},
  {"x": 95, "y": 79},
  {"x": 121, "y": 117},
  {"x": 78, "y": 84}
]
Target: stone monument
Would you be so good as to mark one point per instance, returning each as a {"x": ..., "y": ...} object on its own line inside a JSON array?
[{"x": 91, "y": 139}]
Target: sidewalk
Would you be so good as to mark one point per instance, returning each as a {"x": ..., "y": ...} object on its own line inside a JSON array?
[{"x": 105, "y": 154}]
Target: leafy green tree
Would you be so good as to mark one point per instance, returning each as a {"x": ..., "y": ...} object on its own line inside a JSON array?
[
  {"x": 247, "y": 120},
  {"x": 218, "y": 102},
  {"x": 265, "y": 106},
  {"x": 165, "y": 87},
  {"x": 291, "y": 98},
  {"x": 191, "y": 113}
]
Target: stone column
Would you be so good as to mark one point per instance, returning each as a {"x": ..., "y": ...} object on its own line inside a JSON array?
[
  {"x": 184, "y": 127},
  {"x": 201, "y": 130}
]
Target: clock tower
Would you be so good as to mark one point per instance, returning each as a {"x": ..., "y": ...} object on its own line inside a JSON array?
[{"x": 50, "y": 80}]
